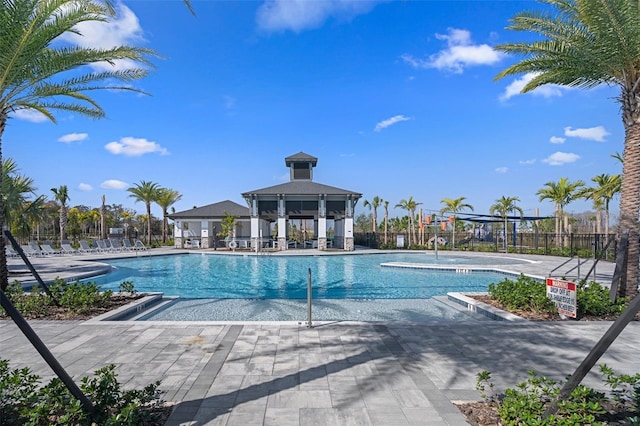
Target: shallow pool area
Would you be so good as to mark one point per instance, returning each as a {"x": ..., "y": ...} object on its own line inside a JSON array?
[
  {"x": 406, "y": 310},
  {"x": 286, "y": 277}
]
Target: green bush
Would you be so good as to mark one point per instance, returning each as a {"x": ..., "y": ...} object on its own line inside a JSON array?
[
  {"x": 593, "y": 299},
  {"x": 525, "y": 293},
  {"x": 24, "y": 402},
  {"x": 73, "y": 297},
  {"x": 530, "y": 294},
  {"x": 526, "y": 403}
]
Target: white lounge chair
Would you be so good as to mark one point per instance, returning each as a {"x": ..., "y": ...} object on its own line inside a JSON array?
[
  {"x": 67, "y": 249},
  {"x": 30, "y": 251},
  {"x": 85, "y": 248},
  {"x": 139, "y": 245},
  {"x": 11, "y": 253},
  {"x": 292, "y": 243},
  {"x": 126, "y": 245},
  {"x": 116, "y": 246},
  {"x": 48, "y": 250},
  {"x": 36, "y": 248}
]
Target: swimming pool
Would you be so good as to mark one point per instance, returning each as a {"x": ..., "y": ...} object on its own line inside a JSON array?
[{"x": 360, "y": 276}]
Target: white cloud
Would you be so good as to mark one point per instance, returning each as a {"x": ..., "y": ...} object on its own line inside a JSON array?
[
  {"x": 546, "y": 91},
  {"x": 556, "y": 139},
  {"x": 114, "y": 184},
  {"x": 528, "y": 162},
  {"x": 134, "y": 147},
  {"x": 124, "y": 29},
  {"x": 73, "y": 137},
  {"x": 29, "y": 115},
  {"x": 300, "y": 15},
  {"x": 502, "y": 169},
  {"x": 560, "y": 158},
  {"x": 459, "y": 54},
  {"x": 597, "y": 133},
  {"x": 390, "y": 122},
  {"x": 85, "y": 187}
]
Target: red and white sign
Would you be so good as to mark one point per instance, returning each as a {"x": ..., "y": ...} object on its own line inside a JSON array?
[{"x": 563, "y": 294}]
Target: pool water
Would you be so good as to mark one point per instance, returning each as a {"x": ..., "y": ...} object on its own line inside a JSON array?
[{"x": 286, "y": 277}]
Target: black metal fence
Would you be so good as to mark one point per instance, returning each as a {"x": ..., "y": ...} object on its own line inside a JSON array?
[{"x": 582, "y": 245}]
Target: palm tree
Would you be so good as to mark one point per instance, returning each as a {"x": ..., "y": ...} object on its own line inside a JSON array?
[
  {"x": 146, "y": 192},
  {"x": 454, "y": 206},
  {"x": 586, "y": 43},
  {"x": 165, "y": 199},
  {"x": 373, "y": 205},
  {"x": 386, "y": 222},
  {"x": 410, "y": 205},
  {"x": 561, "y": 193},
  {"x": 61, "y": 195},
  {"x": 608, "y": 186},
  {"x": 39, "y": 73},
  {"x": 503, "y": 206},
  {"x": 19, "y": 211}
]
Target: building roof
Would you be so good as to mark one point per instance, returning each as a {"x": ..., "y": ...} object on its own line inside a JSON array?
[
  {"x": 301, "y": 187},
  {"x": 220, "y": 209},
  {"x": 301, "y": 157}
]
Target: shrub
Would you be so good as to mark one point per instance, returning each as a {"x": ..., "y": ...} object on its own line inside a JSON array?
[
  {"x": 525, "y": 293},
  {"x": 73, "y": 297},
  {"x": 593, "y": 299},
  {"x": 21, "y": 402},
  {"x": 530, "y": 294}
]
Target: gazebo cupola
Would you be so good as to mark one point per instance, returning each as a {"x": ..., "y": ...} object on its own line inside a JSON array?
[{"x": 301, "y": 166}]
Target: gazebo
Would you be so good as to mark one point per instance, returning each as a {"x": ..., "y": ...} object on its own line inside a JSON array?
[
  {"x": 198, "y": 227},
  {"x": 301, "y": 211}
]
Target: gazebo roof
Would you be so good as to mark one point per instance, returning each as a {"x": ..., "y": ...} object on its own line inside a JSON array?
[
  {"x": 301, "y": 187},
  {"x": 301, "y": 157},
  {"x": 220, "y": 209}
]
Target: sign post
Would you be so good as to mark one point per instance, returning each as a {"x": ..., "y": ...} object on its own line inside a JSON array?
[{"x": 563, "y": 294}]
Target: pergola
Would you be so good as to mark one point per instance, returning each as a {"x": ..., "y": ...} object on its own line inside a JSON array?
[{"x": 280, "y": 208}]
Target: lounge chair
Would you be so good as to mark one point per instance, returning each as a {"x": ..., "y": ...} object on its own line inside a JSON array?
[
  {"x": 30, "y": 251},
  {"x": 48, "y": 249},
  {"x": 139, "y": 245},
  {"x": 116, "y": 246},
  {"x": 126, "y": 245},
  {"x": 11, "y": 253},
  {"x": 101, "y": 246},
  {"x": 36, "y": 248},
  {"x": 292, "y": 243},
  {"x": 85, "y": 248},
  {"x": 67, "y": 249}
]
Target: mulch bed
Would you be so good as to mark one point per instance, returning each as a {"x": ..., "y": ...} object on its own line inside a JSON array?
[{"x": 55, "y": 313}]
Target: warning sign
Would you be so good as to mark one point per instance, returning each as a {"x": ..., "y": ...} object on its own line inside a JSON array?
[{"x": 563, "y": 294}]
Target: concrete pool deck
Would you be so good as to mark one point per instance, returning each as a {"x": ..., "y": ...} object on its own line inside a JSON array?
[{"x": 337, "y": 373}]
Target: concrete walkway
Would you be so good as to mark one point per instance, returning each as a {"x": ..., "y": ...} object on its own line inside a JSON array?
[
  {"x": 339, "y": 373},
  {"x": 333, "y": 374}
]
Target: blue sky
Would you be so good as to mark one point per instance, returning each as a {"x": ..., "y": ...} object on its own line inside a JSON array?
[{"x": 396, "y": 99}]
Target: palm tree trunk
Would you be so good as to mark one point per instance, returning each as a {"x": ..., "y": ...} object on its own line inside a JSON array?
[
  {"x": 149, "y": 224},
  {"x": 630, "y": 204},
  {"x": 557, "y": 215},
  {"x": 4, "y": 273},
  {"x": 386, "y": 228}
]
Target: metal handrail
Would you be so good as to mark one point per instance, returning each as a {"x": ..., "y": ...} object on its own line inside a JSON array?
[{"x": 561, "y": 265}]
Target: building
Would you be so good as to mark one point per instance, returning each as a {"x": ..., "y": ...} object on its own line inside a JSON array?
[{"x": 298, "y": 214}]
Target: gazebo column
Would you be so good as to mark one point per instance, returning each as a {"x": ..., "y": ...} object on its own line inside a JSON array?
[
  {"x": 322, "y": 223},
  {"x": 204, "y": 234},
  {"x": 177, "y": 234},
  {"x": 255, "y": 223},
  {"x": 348, "y": 225},
  {"x": 282, "y": 224}
]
